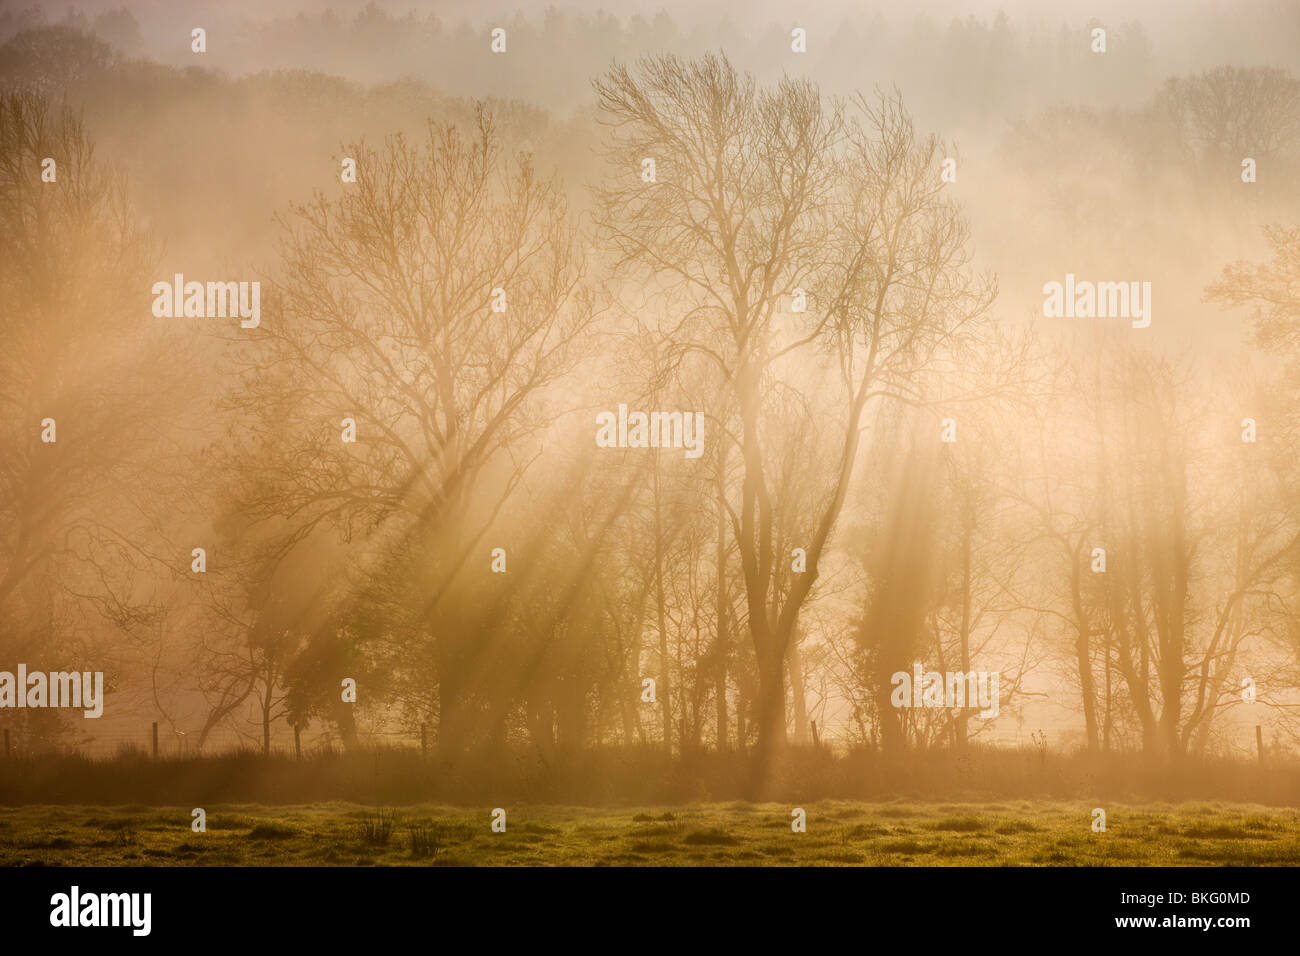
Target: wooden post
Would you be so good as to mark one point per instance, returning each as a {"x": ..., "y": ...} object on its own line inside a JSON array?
[
  {"x": 155, "y": 740},
  {"x": 297, "y": 741},
  {"x": 1259, "y": 741},
  {"x": 424, "y": 740},
  {"x": 817, "y": 744}
]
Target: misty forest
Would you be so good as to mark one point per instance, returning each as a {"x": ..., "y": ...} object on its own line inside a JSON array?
[{"x": 603, "y": 408}]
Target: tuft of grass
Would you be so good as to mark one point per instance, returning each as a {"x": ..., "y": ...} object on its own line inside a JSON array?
[
  {"x": 49, "y": 843},
  {"x": 426, "y": 840},
  {"x": 867, "y": 831},
  {"x": 377, "y": 828},
  {"x": 272, "y": 831},
  {"x": 903, "y": 847},
  {"x": 658, "y": 831}
]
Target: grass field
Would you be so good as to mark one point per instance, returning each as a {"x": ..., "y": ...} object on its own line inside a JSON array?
[{"x": 1047, "y": 833}]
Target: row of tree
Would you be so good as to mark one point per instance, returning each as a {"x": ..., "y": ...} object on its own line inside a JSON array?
[{"x": 891, "y": 474}]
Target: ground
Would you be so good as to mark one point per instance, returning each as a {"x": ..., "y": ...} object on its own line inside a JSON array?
[{"x": 838, "y": 833}]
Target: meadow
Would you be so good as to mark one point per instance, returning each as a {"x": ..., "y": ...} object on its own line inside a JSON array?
[{"x": 839, "y": 833}]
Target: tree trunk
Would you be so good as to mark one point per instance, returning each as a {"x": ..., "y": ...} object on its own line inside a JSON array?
[
  {"x": 345, "y": 719},
  {"x": 266, "y": 722},
  {"x": 663, "y": 688},
  {"x": 742, "y": 706},
  {"x": 960, "y": 725},
  {"x": 451, "y": 723},
  {"x": 795, "y": 662},
  {"x": 771, "y": 712},
  {"x": 1082, "y": 655},
  {"x": 721, "y": 646}
]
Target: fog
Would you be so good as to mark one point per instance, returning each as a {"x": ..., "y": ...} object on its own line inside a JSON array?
[{"x": 649, "y": 384}]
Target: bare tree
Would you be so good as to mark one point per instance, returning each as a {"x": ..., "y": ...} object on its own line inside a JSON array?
[
  {"x": 760, "y": 193},
  {"x": 81, "y": 442},
  {"x": 1231, "y": 112},
  {"x": 433, "y": 303}
]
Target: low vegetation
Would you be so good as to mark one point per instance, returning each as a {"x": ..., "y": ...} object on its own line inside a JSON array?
[{"x": 896, "y": 833}]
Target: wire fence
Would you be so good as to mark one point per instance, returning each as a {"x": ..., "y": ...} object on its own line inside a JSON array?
[
  {"x": 161, "y": 741},
  {"x": 172, "y": 743}
]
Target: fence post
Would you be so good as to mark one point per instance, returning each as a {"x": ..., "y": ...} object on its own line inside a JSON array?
[
  {"x": 297, "y": 741},
  {"x": 155, "y": 740},
  {"x": 1259, "y": 742}
]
